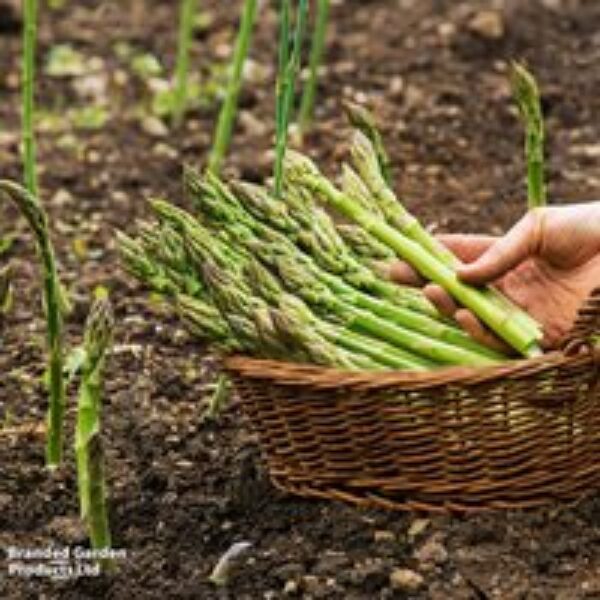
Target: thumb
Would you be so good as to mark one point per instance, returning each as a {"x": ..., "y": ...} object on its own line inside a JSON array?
[{"x": 520, "y": 243}]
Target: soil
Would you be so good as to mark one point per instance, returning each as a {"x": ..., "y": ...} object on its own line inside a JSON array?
[{"x": 184, "y": 489}]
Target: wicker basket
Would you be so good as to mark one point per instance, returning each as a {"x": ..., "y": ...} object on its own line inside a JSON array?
[{"x": 459, "y": 439}]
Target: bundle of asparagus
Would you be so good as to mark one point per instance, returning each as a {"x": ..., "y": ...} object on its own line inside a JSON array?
[{"x": 278, "y": 278}]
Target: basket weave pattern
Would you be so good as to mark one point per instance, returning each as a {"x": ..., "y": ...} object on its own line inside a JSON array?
[{"x": 460, "y": 439}]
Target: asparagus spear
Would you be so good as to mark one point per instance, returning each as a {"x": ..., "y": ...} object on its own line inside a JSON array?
[
  {"x": 36, "y": 217},
  {"x": 301, "y": 171},
  {"x": 364, "y": 246},
  {"x": 88, "y": 447},
  {"x": 527, "y": 96}
]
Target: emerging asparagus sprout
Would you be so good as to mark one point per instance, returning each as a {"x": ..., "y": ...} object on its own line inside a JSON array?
[
  {"x": 187, "y": 12},
  {"x": 54, "y": 302},
  {"x": 307, "y": 104},
  {"x": 229, "y": 107},
  {"x": 527, "y": 97},
  {"x": 88, "y": 442}
]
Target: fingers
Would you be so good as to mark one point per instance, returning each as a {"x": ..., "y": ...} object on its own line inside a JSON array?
[
  {"x": 465, "y": 318},
  {"x": 475, "y": 328},
  {"x": 401, "y": 272},
  {"x": 441, "y": 299},
  {"x": 467, "y": 248},
  {"x": 521, "y": 242}
]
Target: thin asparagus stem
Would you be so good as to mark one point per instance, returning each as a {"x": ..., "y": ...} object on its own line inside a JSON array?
[
  {"x": 287, "y": 80},
  {"x": 303, "y": 172},
  {"x": 35, "y": 215},
  {"x": 187, "y": 12},
  {"x": 229, "y": 108},
  {"x": 30, "y": 11},
  {"x": 527, "y": 97},
  {"x": 316, "y": 56}
]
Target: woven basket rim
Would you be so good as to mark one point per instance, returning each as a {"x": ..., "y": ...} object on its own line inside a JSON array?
[{"x": 289, "y": 373}]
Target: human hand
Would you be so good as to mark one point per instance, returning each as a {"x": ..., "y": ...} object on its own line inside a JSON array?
[{"x": 548, "y": 264}]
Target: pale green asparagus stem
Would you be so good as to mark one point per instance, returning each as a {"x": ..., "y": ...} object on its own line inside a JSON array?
[
  {"x": 187, "y": 12},
  {"x": 527, "y": 97},
  {"x": 30, "y": 11},
  {"x": 88, "y": 447},
  {"x": 289, "y": 64},
  {"x": 37, "y": 220},
  {"x": 316, "y": 55},
  {"x": 229, "y": 108}
]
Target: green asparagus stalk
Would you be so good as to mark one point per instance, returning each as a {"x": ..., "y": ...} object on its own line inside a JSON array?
[
  {"x": 527, "y": 97},
  {"x": 354, "y": 187},
  {"x": 205, "y": 321},
  {"x": 303, "y": 172},
  {"x": 316, "y": 56},
  {"x": 229, "y": 108},
  {"x": 281, "y": 125},
  {"x": 30, "y": 11},
  {"x": 53, "y": 302},
  {"x": 289, "y": 64},
  {"x": 364, "y": 157},
  {"x": 187, "y": 12},
  {"x": 88, "y": 447}
]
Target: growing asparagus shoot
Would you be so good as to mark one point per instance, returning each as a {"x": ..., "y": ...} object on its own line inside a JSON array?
[
  {"x": 35, "y": 215},
  {"x": 229, "y": 107},
  {"x": 527, "y": 97},
  {"x": 30, "y": 11},
  {"x": 88, "y": 442},
  {"x": 187, "y": 13},
  {"x": 288, "y": 66},
  {"x": 307, "y": 104}
]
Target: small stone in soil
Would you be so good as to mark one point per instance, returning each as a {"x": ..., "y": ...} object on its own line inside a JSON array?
[
  {"x": 432, "y": 553},
  {"x": 406, "y": 579}
]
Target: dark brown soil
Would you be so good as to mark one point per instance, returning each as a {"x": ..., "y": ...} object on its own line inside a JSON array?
[{"x": 182, "y": 489}]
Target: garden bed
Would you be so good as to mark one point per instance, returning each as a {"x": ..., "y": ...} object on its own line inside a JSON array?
[{"x": 183, "y": 489}]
